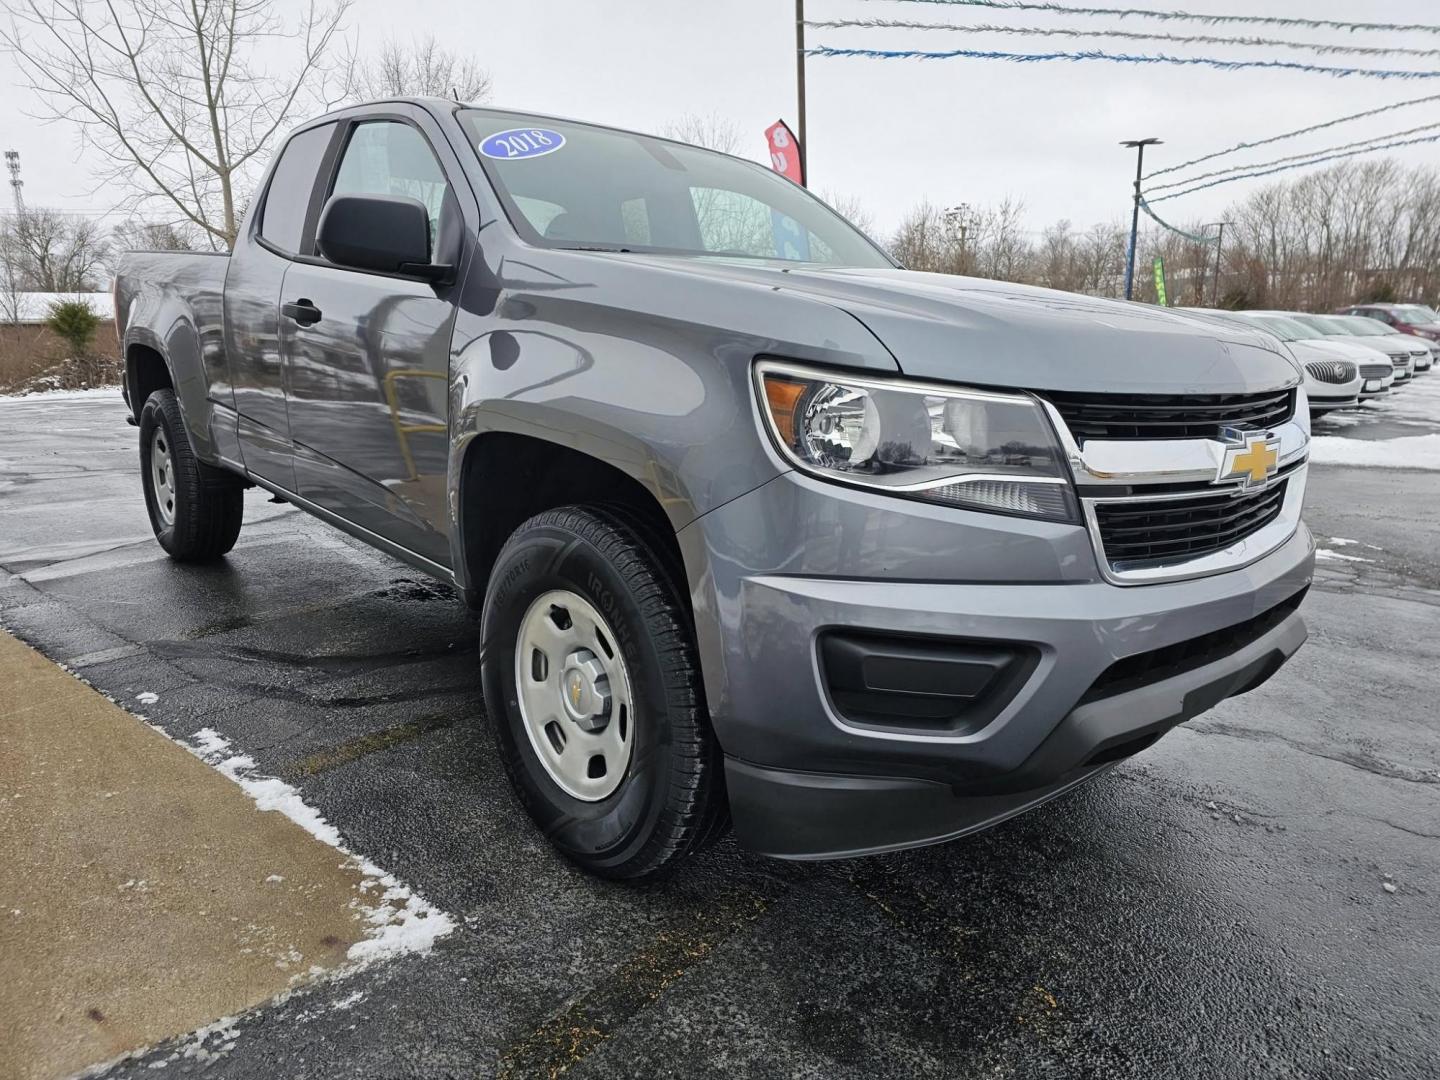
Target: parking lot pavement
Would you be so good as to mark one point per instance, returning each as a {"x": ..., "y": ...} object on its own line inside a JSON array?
[{"x": 1252, "y": 897}]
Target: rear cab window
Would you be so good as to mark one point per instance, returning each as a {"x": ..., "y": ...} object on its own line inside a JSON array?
[{"x": 292, "y": 183}]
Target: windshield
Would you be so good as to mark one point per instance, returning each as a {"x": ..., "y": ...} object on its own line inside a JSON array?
[
  {"x": 1321, "y": 325},
  {"x": 1363, "y": 327},
  {"x": 1417, "y": 313},
  {"x": 1283, "y": 328},
  {"x": 576, "y": 186}
]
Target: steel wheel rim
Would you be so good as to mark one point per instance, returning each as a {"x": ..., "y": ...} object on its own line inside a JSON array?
[
  {"x": 575, "y": 696},
  {"x": 162, "y": 476}
]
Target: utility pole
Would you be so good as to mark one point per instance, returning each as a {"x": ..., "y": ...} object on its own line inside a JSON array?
[
  {"x": 1219, "y": 240},
  {"x": 1139, "y": 145},
  {"x": 957, "y": 220},
  {"x": 12, "y": 162},
  {"x": 800, "y": 91}
]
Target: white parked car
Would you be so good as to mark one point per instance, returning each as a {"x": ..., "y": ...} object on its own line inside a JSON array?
[
  {"x": 1332, "y": 380},
  {"x": 1330, "y": 326},
  {"x": 1376, "y": 371},
  {"x": 1422, "y": 352}
]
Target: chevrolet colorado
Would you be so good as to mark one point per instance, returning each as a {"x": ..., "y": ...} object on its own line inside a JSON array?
[{"x": 759, "y": 526}]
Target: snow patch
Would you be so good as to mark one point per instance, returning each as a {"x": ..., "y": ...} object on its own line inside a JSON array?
[
  {"x": 1409, "y": 452},
  {"x": 96, "y": 393},
  {"x": 147, "y": 697},
  {"x": 399, "y": 920},
  {"x": 1326, "y": 555}
]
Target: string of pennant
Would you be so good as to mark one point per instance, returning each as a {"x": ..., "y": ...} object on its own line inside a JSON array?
[
  {"x": 1195, "y": 237},
  {"x": 1318, "y": 47},
  {"x": 1297, "y": 157},
  {"x": 1121, "y": 58},
  {"x": 1223, "y": 175},
  {"x": 1313, "y": 161},
  {"x": 1204, "y": 18},
  {"x": 1292, "y": 134}
]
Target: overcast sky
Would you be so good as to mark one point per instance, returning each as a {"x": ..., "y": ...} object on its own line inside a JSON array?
[{"x": 891, "y": 132}]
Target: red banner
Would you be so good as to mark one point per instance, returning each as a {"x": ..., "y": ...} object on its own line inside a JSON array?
[{"x": 785, "y": 152}]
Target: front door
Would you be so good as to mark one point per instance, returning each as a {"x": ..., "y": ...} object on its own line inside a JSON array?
[{"x": 368, "y": 360}]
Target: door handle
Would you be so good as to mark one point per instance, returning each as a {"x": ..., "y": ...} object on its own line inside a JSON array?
[{"x": 302, "y": 311}]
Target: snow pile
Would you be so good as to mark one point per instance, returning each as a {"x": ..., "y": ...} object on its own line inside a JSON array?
[
  {"x": 1410, "y": 452},
  {"x": 97, "y": 393},
  {"x": 398, "y": 919}
]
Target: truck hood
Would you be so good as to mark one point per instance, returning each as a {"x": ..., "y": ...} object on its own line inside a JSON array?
[{"x": 956, "y": 329}]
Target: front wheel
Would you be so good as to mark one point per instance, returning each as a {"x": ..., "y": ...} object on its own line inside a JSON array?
[
  {"x": 194, "y": 509},
  {"x": 593, "y": 688}
]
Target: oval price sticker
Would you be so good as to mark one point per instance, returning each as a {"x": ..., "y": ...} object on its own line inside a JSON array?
[{"x": 522, "y": 143}]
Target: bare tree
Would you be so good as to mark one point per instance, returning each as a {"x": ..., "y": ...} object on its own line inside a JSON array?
[
  {"x": 421, "y": 69},
  {"x": 12, "y": 273},
  {"x": 710, "y": 130},
  {"x": 852, "y": 210},
  {"x": 170, "y": 93},
  {"x": 921, "y": 242},
  {"x": 138, "y": 235},
  {"x": 48, "y": 251},
  {"x": 1001, "y": 249}
]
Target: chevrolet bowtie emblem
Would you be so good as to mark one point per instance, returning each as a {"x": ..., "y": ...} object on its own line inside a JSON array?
[{"x": 1253, "y": 461}]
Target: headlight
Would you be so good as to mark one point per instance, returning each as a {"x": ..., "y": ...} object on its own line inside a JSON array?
[{"x": 967, "y": 448}]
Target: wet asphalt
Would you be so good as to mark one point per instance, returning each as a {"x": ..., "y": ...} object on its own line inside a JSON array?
[{"x": 1255, "y": 896}]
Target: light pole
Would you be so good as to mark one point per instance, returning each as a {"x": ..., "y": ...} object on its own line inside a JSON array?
[
  {"x": 1219, "y": 239},
  {"x": 1139, "y": 145},
  {"x": 957, "y": 220}
]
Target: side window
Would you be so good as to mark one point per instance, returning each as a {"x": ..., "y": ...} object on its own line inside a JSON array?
[
  {"x": 386, "y": 157},
  {"x": 282, "y": 219}
]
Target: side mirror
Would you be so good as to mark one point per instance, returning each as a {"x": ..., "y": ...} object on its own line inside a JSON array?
[{"x": 389, "y": 234}]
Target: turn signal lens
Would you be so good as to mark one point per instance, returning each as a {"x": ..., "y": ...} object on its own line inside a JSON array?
[{"x": 783, "y": 395}]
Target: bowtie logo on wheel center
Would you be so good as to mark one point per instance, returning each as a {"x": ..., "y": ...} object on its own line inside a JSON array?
[{"x": 585, "y": 688}]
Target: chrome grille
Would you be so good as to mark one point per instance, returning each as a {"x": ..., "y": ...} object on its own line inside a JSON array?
[
  {"x": 1168, "y": 416},
  {"x": 1331, "y": 371},
  {"x": 1375, "y": 371},
  {"x": 1151, "y": 531}
]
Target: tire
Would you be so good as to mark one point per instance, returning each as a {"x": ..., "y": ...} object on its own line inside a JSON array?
[
  {"x": 669, "y": 800},
  {"x": 195, "y": 510}
]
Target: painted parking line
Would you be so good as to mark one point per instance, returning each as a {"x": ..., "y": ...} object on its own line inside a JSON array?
[{"x": 148, "y": 889}]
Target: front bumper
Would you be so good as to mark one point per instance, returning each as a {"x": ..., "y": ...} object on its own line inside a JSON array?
[{"x": 797, "y": 559}]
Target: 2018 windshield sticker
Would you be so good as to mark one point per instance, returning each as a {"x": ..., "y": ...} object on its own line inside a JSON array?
[{"x": 522, "y": 143}]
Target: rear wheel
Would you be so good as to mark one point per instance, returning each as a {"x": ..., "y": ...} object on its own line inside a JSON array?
[
  {"x": 194, "y": 509},
  {"x": 593, "y": 688}
]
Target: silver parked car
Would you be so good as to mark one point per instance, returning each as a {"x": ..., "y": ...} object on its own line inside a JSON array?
[{"x": 1332, "y": 381}]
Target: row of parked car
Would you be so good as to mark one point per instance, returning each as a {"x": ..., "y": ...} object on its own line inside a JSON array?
[{"x": 1362, "y": 352}]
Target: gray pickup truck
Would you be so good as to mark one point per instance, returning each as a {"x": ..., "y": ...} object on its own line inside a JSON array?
[{"x": 759, "y": 526}]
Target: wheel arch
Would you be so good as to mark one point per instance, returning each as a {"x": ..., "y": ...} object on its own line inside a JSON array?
[
  {"x": 146, "y": 370},
  {"x": 505, "y": 478}
]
